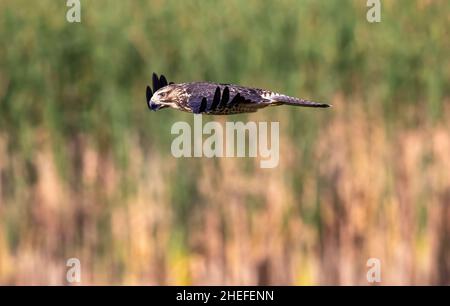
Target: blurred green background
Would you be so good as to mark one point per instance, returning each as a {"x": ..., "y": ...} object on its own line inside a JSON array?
[{"x": 86, "y": 170}]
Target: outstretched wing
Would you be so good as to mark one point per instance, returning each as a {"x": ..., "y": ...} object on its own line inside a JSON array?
[{"x": 223, "y": 99}]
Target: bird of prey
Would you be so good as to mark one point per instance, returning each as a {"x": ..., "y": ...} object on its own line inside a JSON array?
[{"x": 216, "y": 98}]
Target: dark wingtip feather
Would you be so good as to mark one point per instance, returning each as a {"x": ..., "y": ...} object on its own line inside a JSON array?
[
  {"x": 149, "y": 93},
  {"x": 203, "y": 105},
  {"x": 235, "y": 100},
  {"x": 155, "y": 82},
  {"x": 216, "y": 99},
  {"x": 225, "y": 97},
  {"x": 162, "y": 81}
]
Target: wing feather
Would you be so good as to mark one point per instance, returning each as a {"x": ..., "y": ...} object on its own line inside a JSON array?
[
  {"x": 225, "y": 97},
  {"x": 216, "y": 99},
  {"x": 162, "y": 81},
  {"x": 155, "y": 82},
  {"x": 213, "y": 98}
]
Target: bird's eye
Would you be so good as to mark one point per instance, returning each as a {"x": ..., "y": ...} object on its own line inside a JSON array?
[{"x": 163, "y": 94}]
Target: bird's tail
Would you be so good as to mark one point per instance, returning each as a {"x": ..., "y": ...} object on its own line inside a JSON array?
[{"x": 287, "y": 100}]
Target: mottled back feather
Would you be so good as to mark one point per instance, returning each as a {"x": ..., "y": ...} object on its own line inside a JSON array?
[{"x": 233, "y": 98}]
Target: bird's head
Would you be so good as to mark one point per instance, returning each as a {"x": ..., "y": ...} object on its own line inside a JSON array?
[{"x": 165, "y": 97}]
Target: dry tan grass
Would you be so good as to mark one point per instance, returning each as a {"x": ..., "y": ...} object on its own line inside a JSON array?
[{"x": 377, "y": 193}]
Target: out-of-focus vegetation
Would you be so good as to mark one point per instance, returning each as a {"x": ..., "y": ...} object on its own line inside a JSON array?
[{"x": 86, "y": 169}]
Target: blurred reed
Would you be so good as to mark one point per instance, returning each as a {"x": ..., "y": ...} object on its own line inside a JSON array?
[{"x": 86, "y": 171}]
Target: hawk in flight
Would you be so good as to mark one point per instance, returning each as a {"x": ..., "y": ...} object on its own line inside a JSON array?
[{"x": 215, "y": 98}]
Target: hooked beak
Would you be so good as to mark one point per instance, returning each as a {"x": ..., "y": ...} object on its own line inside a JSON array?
[
  {"x": 151, "y": 103},
  {"x": 154, "y": 106}
]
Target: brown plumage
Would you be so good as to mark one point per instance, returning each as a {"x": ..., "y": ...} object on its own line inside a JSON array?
[{"x": 215, "y": 98}]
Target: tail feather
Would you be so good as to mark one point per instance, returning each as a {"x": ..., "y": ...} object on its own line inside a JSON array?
[{"x": 287, "y": 100}]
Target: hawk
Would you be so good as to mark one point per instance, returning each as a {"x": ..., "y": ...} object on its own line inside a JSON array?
[{"x": 216, "y": 98}]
